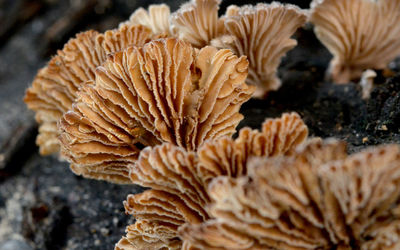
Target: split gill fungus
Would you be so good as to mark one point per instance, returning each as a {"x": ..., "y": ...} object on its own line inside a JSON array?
[{"x": 156, "y": 102}]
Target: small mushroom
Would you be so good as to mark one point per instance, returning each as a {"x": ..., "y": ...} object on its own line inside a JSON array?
[
  {"x": 318, "y": 198},
  {"x": 361, "y": 34},
  {"x": 262, "y": 33},
  {"x": 165, "y": 91},
  {"x": 55, "y": 87},
  {"x": 179, "y": 178},
  {"x": 367, "y": 83},
  {"x": 156, "y": 18}
]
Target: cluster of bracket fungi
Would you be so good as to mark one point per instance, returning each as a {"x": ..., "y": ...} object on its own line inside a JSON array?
[{"x": 156, "y": 101}]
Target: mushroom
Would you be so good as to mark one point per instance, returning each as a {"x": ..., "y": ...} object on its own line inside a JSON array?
[
  {"x": 164, "y": 91},
  {"x": 361, "y": 34},
  {"x": 197, "y": 22},
  {"x": 156, "y": 18},
  {"x": 318, "y": 198},
  {"x": 225, "y": 156},
  {"x": 367, "y": 83},
  {"x": 55, "y": 87},
  {"x": 145, "y": 234},
  {"x": 179, "y": 178},
  {"x": 261, "y": 32}
]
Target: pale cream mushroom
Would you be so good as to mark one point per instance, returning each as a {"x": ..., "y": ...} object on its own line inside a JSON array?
[
  {"x": 360, "y": 34},
  {"x": 55, "y": 87}
]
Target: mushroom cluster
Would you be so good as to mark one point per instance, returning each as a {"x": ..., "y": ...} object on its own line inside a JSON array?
[
  {"x": 261, "y": 33},
  {"x": 318, "y": 198},
  {"x": 156, "y": 102},
  {"x": 179, "y": 178}
]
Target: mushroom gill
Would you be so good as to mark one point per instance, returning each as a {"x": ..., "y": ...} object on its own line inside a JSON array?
[
  {"x": 55, "y": 87},
  {"x": 156, "y": 18},
  {"x": 318, "y": 198},
  {"x": 165, "y": 91},
  {"x": 360, "y": 34}
]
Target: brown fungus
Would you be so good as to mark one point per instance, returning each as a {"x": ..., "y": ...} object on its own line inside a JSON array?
[
  {"x": 55, "y": 87},
  {"x": 178, "y": 179},
  {"x": 165, "y": 91},
  {"x": 361, "y": 34},
  {"x": 319, "y": 198},
  {"x": 261, "y": 32}
]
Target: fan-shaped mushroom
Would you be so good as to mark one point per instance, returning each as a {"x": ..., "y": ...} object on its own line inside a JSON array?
[
  {"x": 361, "y": 34},
  {"x": 165, "y": 91},
  {"x": 179, "y": 178},
  {"x": 318, "y": 198},
  {"x": 55, "y": 87}
]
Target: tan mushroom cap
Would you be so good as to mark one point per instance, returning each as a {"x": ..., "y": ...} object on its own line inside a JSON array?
[
  {"x": 165, "y": 91},
  {"x": 55, "y": 87},
  {"x": 262, "y": 33},
  {"x": 156, "y": 18},
  {"x": 318, "y": 198},
  {"x": 361, "y": 34},
  {"x": 178, "y": 179}
]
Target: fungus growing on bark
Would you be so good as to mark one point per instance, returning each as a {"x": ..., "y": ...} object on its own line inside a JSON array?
[
  {"x": 165, "y": 91},
  {"x": 261, "y": 32},
  {"x": 178, "y": 179},
  {"x": 361, "y": 34},
  {"x": 319, "y": 198},
  {"x": 55, "y": 87}
]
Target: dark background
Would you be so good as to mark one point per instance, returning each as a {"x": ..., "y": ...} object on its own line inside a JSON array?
[{"x": 44, "y": 206}]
